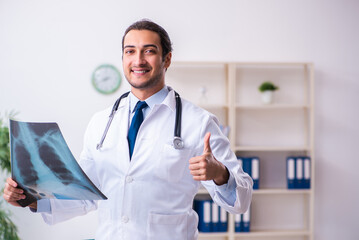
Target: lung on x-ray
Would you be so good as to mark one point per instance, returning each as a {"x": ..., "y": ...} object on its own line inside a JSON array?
[{"x": 43, "y": 165}]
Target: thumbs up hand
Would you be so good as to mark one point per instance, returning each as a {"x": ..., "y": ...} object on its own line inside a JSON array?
[{"x": 206, "y": 166}]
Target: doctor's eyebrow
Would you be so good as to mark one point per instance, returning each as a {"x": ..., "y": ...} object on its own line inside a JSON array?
[{"x": 145, "y": 46}]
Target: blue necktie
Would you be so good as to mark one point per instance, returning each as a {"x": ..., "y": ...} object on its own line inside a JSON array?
[{"x": 135, "y": 125}]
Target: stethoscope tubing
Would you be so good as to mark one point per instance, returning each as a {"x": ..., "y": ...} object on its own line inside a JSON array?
[
  {"x": 114, "y": 109},
  {"x": 177, "y": 140}
]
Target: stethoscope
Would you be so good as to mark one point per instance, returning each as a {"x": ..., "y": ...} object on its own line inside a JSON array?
[{"x": 177, "y": 140}]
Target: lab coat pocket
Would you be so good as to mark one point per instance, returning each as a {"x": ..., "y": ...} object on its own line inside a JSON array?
[
  {"x": 164, "y": 227},
  {"x": 172, "y": 163}
]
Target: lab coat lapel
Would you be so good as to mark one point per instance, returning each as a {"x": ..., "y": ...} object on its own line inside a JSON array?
[
  {"x": 170, "y": 100},
  {"x": 122, "y": 124}
]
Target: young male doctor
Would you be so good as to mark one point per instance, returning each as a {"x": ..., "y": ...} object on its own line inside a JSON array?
[{"x": 151, "y": 185}]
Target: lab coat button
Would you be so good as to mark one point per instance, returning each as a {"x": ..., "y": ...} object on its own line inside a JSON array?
[
  {"x": 125, "y": 219},
  {"x": 129, "y": 179}
]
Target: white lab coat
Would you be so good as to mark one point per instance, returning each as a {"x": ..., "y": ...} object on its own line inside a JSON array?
[{"x": 150, "y": 197}]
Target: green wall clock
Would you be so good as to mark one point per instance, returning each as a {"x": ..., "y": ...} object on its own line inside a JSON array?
[{"x": 106, "y": 79}]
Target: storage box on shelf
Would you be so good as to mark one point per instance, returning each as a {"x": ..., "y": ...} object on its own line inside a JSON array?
[{"x": 271, "y": 132}]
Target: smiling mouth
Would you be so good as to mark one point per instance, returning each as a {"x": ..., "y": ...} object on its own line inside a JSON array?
[{"x": 140, "y": 71}]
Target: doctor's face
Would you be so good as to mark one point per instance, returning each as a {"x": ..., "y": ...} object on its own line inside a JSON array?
[{"x": 143, "y": 64}]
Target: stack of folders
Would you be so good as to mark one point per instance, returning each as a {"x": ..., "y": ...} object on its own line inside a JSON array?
[
  {"x": 242, "y": 222},
  {"x": 212, "y": 218},
  {"x": 250, "y": 165},
  {"x": 298, "y": 172}
]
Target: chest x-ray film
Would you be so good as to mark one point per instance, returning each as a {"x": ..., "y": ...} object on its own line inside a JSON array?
[{"x": 43, "y": 165}]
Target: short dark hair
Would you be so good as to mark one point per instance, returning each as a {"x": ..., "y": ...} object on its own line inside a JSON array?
[{"x": 146, "y": 24}]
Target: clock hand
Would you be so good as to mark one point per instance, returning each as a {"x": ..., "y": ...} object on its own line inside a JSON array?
[{"x": 105, "y": 79}]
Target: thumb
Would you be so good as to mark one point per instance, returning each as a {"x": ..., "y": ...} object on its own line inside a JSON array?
[{"x": 207, "y": 147}]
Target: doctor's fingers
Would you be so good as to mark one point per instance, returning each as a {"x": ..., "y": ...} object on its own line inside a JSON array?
[
  {"x": 197, "y": 165},
  {"x": 200, "y": 177},
  {"x": 203, "y": 159},
  {"x": 198, "y": 168},
  {"x": 12, "y": 193},
  {"x": 11, "y": 182},
  {"x": 198, "y": 172},
  {"x": 11, "y": 200}
]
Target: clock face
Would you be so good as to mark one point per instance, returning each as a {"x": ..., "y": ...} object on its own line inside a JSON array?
[{"x": 106, "y": 79}]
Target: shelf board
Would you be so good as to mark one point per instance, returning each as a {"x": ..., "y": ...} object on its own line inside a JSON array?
[
  {"x": 241, "y": 64},
  {"x": 271, "y": 64},
  {"x": 271, "y": 148},
  {"x": 271, "y": 191},
  {"x": 210, "y": 235},
  {"x": 281, "y": 233},
  {"x": 281, "y": 191},
  {"x": 271, "y": 106},
  {"x": 195, "y": 64},
  {"x": 213, "y": 106}
]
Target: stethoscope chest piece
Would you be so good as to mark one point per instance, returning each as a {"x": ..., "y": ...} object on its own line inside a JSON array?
[{"x": 178, "y": 143}]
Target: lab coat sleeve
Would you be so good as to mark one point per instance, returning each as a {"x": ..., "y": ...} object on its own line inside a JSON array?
[
  {"x": 235, "y": 196},
  {"x": 62, "y": 210},
  {"x": 43, "y": 206}
]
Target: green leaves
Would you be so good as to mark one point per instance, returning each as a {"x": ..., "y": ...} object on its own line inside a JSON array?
[
  {"x": 4, "y": 148},
  {"x": 267, "y": 86},
  {"x": 8, "y": 230}
]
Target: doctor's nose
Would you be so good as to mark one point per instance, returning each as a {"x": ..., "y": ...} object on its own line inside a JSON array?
[{"x": 140, "y": 59}]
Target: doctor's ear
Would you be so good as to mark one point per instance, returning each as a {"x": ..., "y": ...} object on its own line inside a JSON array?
[{"x": 167, "y": 60}]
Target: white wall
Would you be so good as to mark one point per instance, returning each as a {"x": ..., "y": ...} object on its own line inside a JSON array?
[{"x": 48, "y": 50}]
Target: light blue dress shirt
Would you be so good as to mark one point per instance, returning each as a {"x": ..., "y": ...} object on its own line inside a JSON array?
[{"x": 156, "y": 98}]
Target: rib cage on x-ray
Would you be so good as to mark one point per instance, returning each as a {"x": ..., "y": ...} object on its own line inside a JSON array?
[{"x": 44, "y": 166}]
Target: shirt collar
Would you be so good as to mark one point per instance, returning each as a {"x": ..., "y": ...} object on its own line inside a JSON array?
[{"x": 156, "y": 98}]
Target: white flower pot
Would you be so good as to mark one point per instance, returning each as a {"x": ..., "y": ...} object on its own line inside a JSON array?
[{"x": 267, "y": 97}]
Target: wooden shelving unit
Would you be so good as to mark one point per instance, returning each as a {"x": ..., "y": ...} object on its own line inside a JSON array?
[{"x": 272, "y": 132}]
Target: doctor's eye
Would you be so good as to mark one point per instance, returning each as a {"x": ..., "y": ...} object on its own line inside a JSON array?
[
  {"x": 129, "y": 51},
  {"x": 150, "y": 51}
]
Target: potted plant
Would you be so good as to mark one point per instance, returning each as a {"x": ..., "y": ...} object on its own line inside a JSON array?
[
  {"x": 267, "y": 89},
  {"x": 8, "y": 229}
]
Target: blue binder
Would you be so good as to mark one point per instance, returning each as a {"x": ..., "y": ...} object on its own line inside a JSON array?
[
  {"x": 214, "y": 217},
  {"x": 250, "y": 165},
  {"x": 246, "y": 219},
  {"x": 291, "y": 179},
  {"x": 203, "y": 209},
  {"x": 247, "y": 165},
  {"x": 299, "y": 173},
  {"x": 238, "y": 223},
  {"x": 223, "y": 220},
  {"x": 255, "y": 172},
  {"x": 306, "y": 172}
]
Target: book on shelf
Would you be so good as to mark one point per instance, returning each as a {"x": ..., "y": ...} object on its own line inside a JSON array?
[
  {"x": 214, "y": 217},
  {"x": 250, "y": 165},
  {"x": 238, "y": 223},
  {"x": 223, "y": 220},
  {"x": 246, "y": 220},
  {"x": 290, "y": 172},
  {"x": 307, "y": 171},
  {"x": 298, "y": 172},
  {"x": 242, "y": 222},
  {"x": 203, "y": 208},
  {"x": 211, "y": 217}
]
